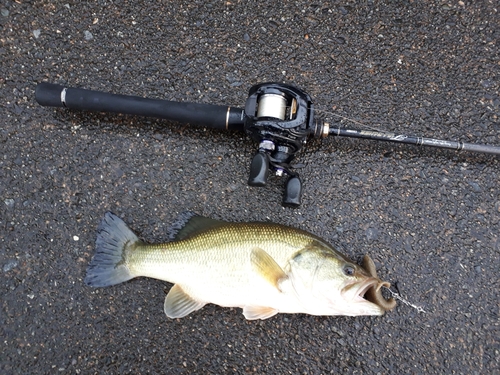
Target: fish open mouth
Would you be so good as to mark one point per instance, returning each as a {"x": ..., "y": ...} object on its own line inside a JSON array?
[{"x": 365, "y": 287}]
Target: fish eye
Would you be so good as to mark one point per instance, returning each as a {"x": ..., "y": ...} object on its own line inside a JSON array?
[{"x": 348, "y": 270}]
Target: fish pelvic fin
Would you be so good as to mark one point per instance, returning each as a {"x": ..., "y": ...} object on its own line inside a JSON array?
[
  {"x": 178, "y": 303},
  {"x": 266, "y": 267},
  {"x": 114, "y": 241},
  {"x": 258, "y": 312}
]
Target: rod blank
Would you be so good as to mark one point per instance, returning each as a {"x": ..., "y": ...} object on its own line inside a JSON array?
[{"x": 418, "y": 141}]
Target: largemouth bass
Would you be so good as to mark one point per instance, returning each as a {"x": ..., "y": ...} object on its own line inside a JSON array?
[{"x": 263, "y": 268}]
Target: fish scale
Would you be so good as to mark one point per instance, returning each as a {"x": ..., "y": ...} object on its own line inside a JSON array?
[{"x": 202, "y": 254}]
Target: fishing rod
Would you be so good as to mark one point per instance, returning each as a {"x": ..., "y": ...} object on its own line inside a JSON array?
[{"x": 279, "y": 117}]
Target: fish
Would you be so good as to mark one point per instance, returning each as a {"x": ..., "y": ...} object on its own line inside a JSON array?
[{"x": 263, "y": 268}]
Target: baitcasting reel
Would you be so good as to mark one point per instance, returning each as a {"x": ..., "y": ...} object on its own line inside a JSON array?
[{"x": 278, "y": 116}]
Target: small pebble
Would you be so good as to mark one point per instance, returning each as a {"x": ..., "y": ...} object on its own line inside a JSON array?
[
  {"x": 371, "y": 234},
  {"x": 475, "y": 186},
  {"x": 11, "y": 264},
  {"x": 88, "y": 35},
  {"x": 36, "y": 33},
  {"x": 9, "y": 202},
  {"x": 5, "y": 12}
]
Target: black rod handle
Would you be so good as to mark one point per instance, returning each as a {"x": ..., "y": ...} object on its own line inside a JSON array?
[
  {"x": 209, "y": 115},
  {"x": 419, "y": 141}
]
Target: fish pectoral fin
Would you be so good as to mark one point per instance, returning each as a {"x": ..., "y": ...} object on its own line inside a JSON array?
[
  {"x": 258, "y": 312},
  {"x": 266, "y": 266},
  {"x": 178, "y": 303}
]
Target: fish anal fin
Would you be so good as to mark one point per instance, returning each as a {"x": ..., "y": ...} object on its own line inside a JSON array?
[
  {"x": 266, "y": 267},
  {"x": 258, "y": 312},
  {"x": 178, "y": 303}
]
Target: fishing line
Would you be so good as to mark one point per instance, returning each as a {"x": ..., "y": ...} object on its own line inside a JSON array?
[
  {"x": 406, "y": 302},
  {"x": 351, "y": 120}
]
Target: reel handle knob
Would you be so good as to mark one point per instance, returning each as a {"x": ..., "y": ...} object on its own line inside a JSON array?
[
  {"x": 259, "y": 169},
  {"x": 293, "y": 192}
]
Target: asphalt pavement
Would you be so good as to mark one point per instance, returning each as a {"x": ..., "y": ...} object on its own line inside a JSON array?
[{"x": 429, "y": 218}]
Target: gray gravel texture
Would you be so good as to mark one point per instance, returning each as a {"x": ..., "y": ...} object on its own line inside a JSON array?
[{"x": 429, "y": 218}]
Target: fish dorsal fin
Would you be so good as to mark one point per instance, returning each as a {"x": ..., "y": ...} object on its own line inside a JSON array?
[
  {"x": 178, "y": 303},
  {"x": 266, "y": 267},
  {"x": 258, "y": 312},
  {"x": 189, "y": 223}
]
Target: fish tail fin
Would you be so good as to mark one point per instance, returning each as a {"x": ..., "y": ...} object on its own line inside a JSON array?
[{"x": 109, "y": 264}]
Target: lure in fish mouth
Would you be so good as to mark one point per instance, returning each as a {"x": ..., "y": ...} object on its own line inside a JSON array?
[
  {"x": 374, "y": 291},
  {"x": 264, "y": 268}
]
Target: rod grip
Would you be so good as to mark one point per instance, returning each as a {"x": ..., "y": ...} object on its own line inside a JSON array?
[
  {"x": 49, "y": 94},
  {"x": 209, "y": 115}
]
